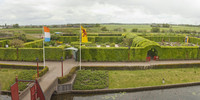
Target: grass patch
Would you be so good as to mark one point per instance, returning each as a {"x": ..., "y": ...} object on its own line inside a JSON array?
[
  {"x": 7, "y": 77},
  {"x": 88, "y": 80},
  {"x": 152, "y": 77}
]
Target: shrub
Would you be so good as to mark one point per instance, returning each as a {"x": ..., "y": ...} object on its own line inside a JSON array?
[
  {"x": 134, "y": 30},
  {"x": 112, "y": 45},
  {"x": 17, "y": 43},
  {"x": 155, "y": 29},
  {"x": 104, "y": 29},
  {"x": 88, "y": 80}
]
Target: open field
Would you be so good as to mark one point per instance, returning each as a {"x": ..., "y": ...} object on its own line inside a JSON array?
[
  {"x": 110, "y": 27},
  {"x": 7, "y": 77},
  {"x": 153, "y": 77}
]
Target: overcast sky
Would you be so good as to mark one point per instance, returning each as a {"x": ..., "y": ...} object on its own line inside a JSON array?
[{"x": 99, "y": 11}]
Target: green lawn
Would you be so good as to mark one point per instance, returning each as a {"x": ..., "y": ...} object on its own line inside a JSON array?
[
  {"x": 153, "y": 77},
  {"x": 7, "y": 77}
]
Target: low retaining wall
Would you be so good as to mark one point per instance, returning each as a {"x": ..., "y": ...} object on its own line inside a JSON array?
[
  {"x": 99, "y": 91},
  {"x": 67, "y": 87}
]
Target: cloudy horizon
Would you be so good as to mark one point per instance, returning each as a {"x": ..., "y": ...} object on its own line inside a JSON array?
[{"x": 39, "y": 12}]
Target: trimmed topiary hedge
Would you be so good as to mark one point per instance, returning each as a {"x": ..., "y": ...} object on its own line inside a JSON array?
[
  {"x": 178, "y": 53},
  {"x": 68, "y": 39},
  {"x": 99, "y": 39},
  {"x": 112, "y": 54},
  {"x": 166, "y": 38},
  {"x": 30, "y": 54},
  {"x": 54, "y": 53},
  {"x": 194, "y": 40}
]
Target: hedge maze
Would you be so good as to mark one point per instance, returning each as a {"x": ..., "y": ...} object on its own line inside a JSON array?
[{"x": 132, "y": 47}]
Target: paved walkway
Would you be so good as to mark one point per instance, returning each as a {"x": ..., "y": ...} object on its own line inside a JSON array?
[{"x": 55, "y": 68}]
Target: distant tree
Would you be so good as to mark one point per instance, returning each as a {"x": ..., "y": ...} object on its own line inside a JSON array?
[
  {"x": 15, "y": 25},
  {"x": 97, "y": 25},
  {"x": 134, "y": 30},
  {"x": 16, "y": 43},
  {"x": 166, "y": 25},
  {"x": 155, "y": 29},
  {"x": 104, "y": 29}
]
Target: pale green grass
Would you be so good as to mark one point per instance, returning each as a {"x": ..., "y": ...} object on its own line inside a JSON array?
[
  {"x": 153, "y": 77},
  {"x": 7, "y": 77}
]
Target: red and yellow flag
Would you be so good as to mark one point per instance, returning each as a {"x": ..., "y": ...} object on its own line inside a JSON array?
[{"x": 84, "y": 35}]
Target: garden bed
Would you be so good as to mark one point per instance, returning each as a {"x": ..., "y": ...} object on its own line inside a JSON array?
[{"x": 88, "y": 80}]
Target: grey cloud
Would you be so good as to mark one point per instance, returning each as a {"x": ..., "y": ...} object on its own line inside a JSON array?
[{"x": 99, "y": 11}]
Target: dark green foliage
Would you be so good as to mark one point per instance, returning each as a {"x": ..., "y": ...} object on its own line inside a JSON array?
[
  {"x": 19, "y": 66},
  {"x": 139, "y": 41},
  {"x": 104, "y": 29},
  {"x": 88, "y": 80},
  {"x": 30, "y": 54},
  {"x": 15, "y": 25},
  {"x": 8, "y": 54},
  {"x": 134, "y": 30},
  {"x": 3, "y": 43},
  {"x": 166, "y": 38},
  {"x": 183, "y": 52},
  {"x": 54, "y": 53},
  {"x": 155, "y": 29},
  {"x": 94, "y": 39},
  {"x": 112, "y": 54}
]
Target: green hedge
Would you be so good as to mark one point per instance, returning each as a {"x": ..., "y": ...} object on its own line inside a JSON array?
[
  {"x": 99, "y": 39},
  {"x": 30, "y": 54},
  {"x": 166, "y": 38},
  {"x": 34, "y": 44},
  {"x": 194, "y": 40},
  {"x": 8, "y": 54},
  {"x": 178, "y": 53},
  {"x": 139, "y": 41},
  {"x": 54, "y": 53},
  {"x": 3, "y": 43},
  {"x": 112, "y": 54},
  {"x": 68, "y": 39}
]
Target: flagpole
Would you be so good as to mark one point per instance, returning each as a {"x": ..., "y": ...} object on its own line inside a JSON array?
[
  {"x": 43, "y": 47},
  {"x": 80, "y": 46}
]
